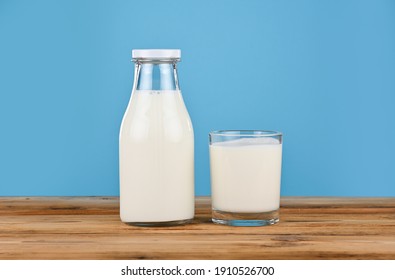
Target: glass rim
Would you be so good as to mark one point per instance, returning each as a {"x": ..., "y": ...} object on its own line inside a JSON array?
[
  {"x": 156, "y": 60},
  {"x": 246, "y": 132}
]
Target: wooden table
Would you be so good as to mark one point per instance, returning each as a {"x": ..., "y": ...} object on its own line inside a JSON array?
[{"x": 89, "y": 228}]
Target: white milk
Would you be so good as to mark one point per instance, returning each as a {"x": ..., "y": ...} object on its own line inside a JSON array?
[
  {"x": 156, "y": 159},
  {"x": 246, "y": 175}
]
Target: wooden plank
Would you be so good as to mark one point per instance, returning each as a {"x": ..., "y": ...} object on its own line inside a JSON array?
[{"x": 89, "y": 228}]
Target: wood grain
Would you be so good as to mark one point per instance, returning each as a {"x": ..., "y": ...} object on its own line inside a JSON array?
[{"x": 89, "y": 228}]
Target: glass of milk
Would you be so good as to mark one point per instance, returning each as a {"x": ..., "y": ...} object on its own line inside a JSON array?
[{"x": 245, "y": 167}]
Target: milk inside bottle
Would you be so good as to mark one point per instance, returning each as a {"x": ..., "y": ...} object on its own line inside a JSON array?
[{"x": 156, "y": 145}]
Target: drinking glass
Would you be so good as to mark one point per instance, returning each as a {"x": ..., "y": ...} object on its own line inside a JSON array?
[{"x": 245, "y": 167}]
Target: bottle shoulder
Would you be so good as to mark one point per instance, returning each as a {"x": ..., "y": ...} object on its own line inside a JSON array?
[{"x": 160, "y": 114}]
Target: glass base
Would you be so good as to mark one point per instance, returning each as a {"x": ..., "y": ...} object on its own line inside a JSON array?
[
  {"x": 159, "y": 224},
  {"x": 245, "y": 219}
]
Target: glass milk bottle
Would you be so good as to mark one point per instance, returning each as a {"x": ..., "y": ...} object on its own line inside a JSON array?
[{"x": 156, "y": 147}]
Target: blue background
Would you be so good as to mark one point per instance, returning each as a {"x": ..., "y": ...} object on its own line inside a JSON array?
[{"x": 322, "y": 72}]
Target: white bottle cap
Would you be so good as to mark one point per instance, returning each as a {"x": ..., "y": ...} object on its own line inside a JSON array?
[{"x": 158, "y": 53}]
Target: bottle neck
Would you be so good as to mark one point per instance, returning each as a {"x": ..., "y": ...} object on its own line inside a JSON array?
[{"x": 155, "y": 75}]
